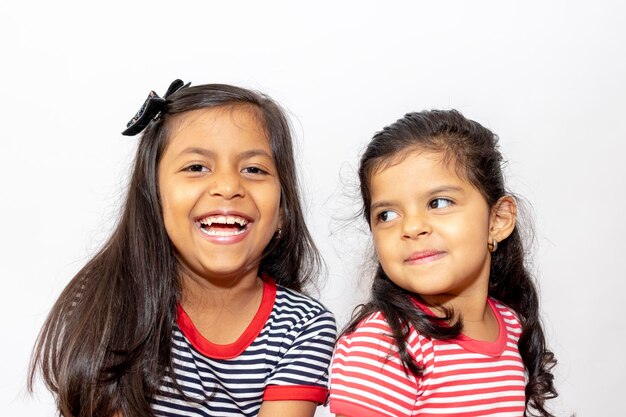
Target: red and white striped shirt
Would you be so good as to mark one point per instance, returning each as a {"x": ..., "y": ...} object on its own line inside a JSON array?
[{"x": 464, "y": 377}]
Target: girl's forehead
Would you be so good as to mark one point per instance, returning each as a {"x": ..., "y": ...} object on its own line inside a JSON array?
[
  {"x": 415, "y": 158},
  {"x": 224, "y": 125},
  {"x": 417, "y": 170},
  {"x": 244, "y": 116}
]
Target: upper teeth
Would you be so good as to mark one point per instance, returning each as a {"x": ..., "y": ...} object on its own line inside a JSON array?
[{"x": 208, "y": 221}]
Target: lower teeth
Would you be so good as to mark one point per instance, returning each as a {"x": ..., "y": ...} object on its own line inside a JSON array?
[{"x": 221, "y": 232}]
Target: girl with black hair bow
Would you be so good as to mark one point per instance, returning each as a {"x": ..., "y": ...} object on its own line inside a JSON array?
[{"x": 194, "y": 304}]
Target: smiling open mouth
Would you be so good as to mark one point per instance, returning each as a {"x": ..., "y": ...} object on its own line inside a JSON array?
[{"x": 223, "y": 225}]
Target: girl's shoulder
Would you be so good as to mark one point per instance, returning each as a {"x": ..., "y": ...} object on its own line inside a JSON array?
[
  {"x": 507, "y": 313},
  {"x": 373, "y": 323},
  {"x": 288, "y": 299},
  {"x": 508, "y": 318},
  {"x": 371, "y": 345},
  {"x": 292, "y": 299},
  {"x": 301, "y": 309},
  {"x": 374, "y": 331}
]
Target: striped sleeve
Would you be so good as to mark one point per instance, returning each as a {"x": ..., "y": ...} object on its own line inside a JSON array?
[
  {"x": 367, "y": 376},
  {"x": 302, "y": 372}
]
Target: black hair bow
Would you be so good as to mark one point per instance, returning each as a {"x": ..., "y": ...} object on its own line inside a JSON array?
[{"x": 151, "y": 109}]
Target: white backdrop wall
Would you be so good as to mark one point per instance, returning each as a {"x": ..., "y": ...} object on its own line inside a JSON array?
[{"x": 548, "y": 77}]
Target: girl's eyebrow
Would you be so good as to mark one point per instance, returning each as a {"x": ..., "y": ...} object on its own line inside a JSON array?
[
  {"x": 210, "y": 154},
  {"x": 381, "y": 203},
  {"x": 254, "y": 152},
  {"x": 445, "y": 189},
  {"x": 199, "y": 151},
  {"x": 439, "y": 190}
]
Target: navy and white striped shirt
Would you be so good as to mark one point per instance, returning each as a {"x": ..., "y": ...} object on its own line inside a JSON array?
[{"x": 284, "y": 354}]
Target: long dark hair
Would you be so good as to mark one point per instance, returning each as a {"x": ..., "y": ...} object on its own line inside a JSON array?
[
  {"x": 474, "y": 149},
  {"x": 106, "y": 343}
]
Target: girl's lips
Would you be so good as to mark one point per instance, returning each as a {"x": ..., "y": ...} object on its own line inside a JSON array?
[
  {"x": 423, "y": 257},
  {"x": 223, "y": 213},
  {"x": 223, "y": 227}
]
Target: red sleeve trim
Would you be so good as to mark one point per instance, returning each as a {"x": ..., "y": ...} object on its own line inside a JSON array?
[
  {"x": 295, "y": 392},
  {"x": 353, "y": 410}
]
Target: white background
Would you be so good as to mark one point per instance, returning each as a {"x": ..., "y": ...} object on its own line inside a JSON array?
[{"x": 549, "y": 77}]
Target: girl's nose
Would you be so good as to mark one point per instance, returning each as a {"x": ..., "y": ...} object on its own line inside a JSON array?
[
  {"x": 415, "y": 226},
  {"x": 226, "y": 185}
]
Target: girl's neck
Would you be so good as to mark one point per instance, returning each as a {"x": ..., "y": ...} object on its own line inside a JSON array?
[
  {"x": 479, "y": 321},
  {"x": 216, "y": 293},
  {"x": 221, "y": 309},
  {"x": 472, "y": 308}
]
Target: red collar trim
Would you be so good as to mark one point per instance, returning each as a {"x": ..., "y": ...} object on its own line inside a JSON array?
[
  {"x": 234, "y": 349},
  {"x": 495, "y": 348}
]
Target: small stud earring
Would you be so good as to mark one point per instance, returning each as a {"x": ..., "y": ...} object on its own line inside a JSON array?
[
  {"x": 493, "y": 246},
  {"x": 279, "y": 233}
]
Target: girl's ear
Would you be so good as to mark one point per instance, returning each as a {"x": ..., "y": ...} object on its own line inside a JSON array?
[{"x": 503, "y": 218}]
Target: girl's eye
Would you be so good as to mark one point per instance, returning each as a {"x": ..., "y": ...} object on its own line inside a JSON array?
[
  {"x": 387, "y": 216},
  {"x": 196, "y": 168},
  {"x": 253, "y": 170},
  {"x": 439, "y": 203}
]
